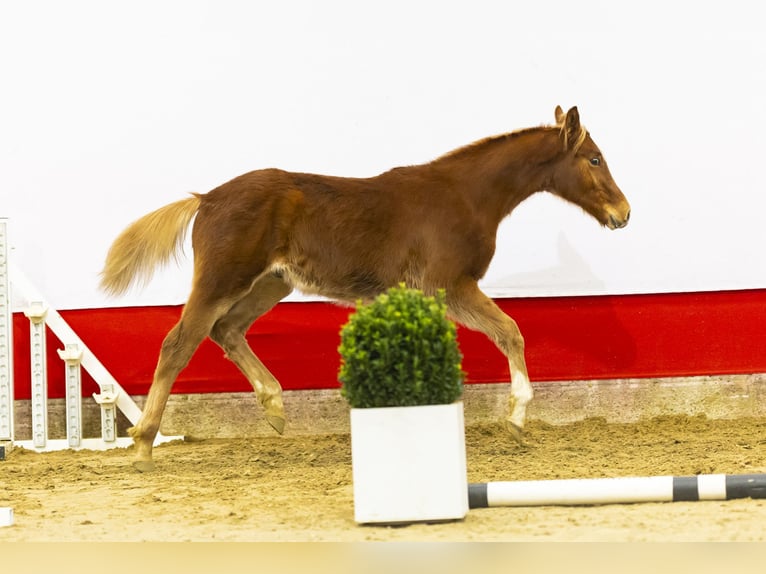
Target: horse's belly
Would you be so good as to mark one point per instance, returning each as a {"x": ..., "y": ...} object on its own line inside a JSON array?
[{"x": 342, "y": 287}]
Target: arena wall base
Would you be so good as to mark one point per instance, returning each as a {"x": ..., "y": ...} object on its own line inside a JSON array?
[
  {"x": 225, "y": 415},
  {"x": 233, "y": 415}
]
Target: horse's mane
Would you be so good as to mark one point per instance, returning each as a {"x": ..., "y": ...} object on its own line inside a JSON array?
[
  {"x": 487, "y": 141},
  {"x": 502, "y": 137}
]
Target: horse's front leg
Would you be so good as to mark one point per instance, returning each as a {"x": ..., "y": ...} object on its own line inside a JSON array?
[
  {"x": 521, "y": 395},
  {"x": 470, "y": 307}
]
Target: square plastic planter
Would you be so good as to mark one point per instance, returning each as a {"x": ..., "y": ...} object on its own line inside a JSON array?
[{"x": 409, "y": 464}]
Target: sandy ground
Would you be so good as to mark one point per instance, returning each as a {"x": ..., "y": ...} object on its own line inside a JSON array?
[{"x": 299, "y": 488}]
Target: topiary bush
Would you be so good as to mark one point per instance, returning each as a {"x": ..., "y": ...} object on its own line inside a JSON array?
[{"x": 400, "y": 350}]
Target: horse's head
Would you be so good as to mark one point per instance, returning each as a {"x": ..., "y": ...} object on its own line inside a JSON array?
[{"x": 582, "y": 177}]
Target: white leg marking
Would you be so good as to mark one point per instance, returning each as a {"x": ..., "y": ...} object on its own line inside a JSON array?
[{"x": 521, "y": 394}]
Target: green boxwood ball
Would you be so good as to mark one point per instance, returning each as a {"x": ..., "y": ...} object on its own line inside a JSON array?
[{"x": 400, "y": 350}]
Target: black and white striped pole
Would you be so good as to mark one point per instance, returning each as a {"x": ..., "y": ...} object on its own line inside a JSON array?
[{"x": 587, "y": 491}]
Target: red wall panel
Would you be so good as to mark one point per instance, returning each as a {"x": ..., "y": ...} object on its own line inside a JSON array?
[{"x": 567, "y": 338}]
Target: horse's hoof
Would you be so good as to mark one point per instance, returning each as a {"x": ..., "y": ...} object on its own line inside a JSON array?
[
  {"x": 144, "y": 465},
  {"x": 278, "y": 423},
  {"x": 516, "y": 432}
]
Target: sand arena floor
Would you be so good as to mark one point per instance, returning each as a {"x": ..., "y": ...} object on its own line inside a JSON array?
[{"x": 299, "y": 488}]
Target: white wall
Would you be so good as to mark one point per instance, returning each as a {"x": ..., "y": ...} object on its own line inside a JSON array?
[{"x": 109, "y": 110}]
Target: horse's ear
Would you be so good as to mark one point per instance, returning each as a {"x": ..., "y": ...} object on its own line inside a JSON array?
[
  {"x": 571, "y": 130},
  {"x": 559, "y": 114}
]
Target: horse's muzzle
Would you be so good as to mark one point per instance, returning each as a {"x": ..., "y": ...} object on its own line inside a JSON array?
[{"x": 617, "y": 222}]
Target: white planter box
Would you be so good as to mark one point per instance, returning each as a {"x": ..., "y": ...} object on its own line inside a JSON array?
[{"x": 409, "y": 464}]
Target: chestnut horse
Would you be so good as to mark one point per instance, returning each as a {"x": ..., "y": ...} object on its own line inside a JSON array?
[{"x": 431, "y": 226}]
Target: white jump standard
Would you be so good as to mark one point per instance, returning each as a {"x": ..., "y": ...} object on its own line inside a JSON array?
[
  {"x": 76, "y": 355},
  {"x": 71, "y": 354},
  {"x": 588, "y": 491},
  {"x": 6, "y": 339},
  {"x": 38, "y": 353}
]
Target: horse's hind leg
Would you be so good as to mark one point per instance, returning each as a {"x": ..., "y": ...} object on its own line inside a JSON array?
[
  {"x": 229, "y": 332},
  {"x": 469, "y": 306},
  {"x": 179, "y": 345}
]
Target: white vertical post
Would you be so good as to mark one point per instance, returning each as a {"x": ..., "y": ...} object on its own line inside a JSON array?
[
  {"x": 90, "y": 362},
  {"x": 71, "y": 354},
  {"x": 108, "y": 399},
  {"x": 111, "y": 398},
  {"x": 36, "y": 315},
  {"x": 6, "y": 339}
]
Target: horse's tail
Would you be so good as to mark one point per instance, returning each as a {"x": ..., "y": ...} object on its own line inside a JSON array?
[{"x": 147, "y": 243}]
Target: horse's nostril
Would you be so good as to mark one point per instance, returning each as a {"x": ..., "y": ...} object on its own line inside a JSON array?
[{"x": 617, "y": 223}]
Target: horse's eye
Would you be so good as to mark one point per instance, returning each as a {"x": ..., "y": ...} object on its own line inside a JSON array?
[{"x": 595, "y": 161}]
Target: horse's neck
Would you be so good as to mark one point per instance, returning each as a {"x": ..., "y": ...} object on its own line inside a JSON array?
[{"x": 499, "y": 173}]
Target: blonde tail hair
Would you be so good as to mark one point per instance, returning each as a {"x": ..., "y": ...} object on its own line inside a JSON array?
[{"x": 146, "y": 244}]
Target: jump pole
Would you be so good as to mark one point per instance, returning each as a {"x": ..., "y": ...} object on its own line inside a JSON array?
[{"x": 591, "y": 491}]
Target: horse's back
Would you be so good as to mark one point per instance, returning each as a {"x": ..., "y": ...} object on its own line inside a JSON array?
[{"x": 344, "y": 238}]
